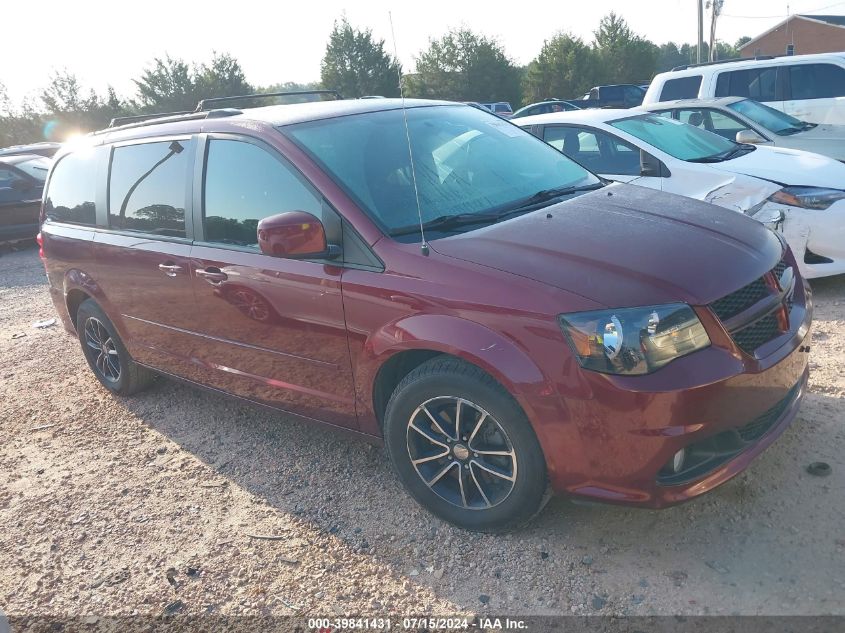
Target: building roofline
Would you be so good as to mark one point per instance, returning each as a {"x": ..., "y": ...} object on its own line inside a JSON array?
[{"x": 809, "y": 18}]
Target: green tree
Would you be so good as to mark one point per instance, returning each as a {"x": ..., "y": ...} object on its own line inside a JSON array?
[
  {"x": 166, "y": 86},
  {"x": 465, "y": 66},
  {"x": 356, "y": 64},
  {"x": 173, "y": 85},
  {"x": 624, "y": 56},
  {"x": 742, "y": 41},
  {"x": 563, "y": 69},
  {"x": 223, "y": 77}
]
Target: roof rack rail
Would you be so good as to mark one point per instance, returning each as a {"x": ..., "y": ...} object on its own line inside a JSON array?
[
  {"x": 203, "y": 105},
  {"x": 723, "y": 61},
  {"x": 136, "y": 118},
  {"x": 125, "y": 123}
]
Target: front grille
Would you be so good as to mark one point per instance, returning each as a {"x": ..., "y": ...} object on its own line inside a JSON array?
[
  {"x": 742, "y": 299},
  {"x": 750, "y": 336}
]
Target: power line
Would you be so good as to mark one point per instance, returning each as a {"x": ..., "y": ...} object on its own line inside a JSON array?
[{"x": 766, "y": 17}]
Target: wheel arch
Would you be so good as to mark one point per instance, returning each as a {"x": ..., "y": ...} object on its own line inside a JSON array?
[
  {"x": 395, "y": 350},
  {"x": 79, "y": 286}
]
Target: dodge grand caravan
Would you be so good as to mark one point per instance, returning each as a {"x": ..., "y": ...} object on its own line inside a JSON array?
[{"x": 505, "y": 321}]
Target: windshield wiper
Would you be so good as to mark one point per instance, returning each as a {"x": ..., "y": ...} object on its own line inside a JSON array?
[
  {"x": 726, "y": 155},
  {"x": 524, "y": 205},
  {"x": 446, "y": 222},
  {"x": 547, "y": 195}
]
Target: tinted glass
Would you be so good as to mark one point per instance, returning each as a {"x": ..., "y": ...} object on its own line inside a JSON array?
[
  {"x": 599, "y": 152},
  {"x": 677, "y": 139},
  {"x": 634, "y": 95},
  {"x": 36, "y": 167},
  {"x": 245, "y": 184},
  {"x": 712, "y": 120},
  {"x": 771, "y": 119},
  {"x": 681, "y": 88},
  {"x": 147, "y": 188},
  {"x": 465, "y": 161},
  {"x": 73, "y": 188},
  {"x": 817, "y": 81},
  {"x": 754, "y": 83}
]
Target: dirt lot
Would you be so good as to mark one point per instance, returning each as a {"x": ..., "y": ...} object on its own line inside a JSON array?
[{"x": 129, "y": 505}]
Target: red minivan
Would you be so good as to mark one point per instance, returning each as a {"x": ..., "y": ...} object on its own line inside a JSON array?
[{"x": 434, "y": 277}]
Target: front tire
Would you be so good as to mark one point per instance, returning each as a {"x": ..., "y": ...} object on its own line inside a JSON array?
[
  {"x": 463, "y": 447},
  {"x": 106, "y": 354}
]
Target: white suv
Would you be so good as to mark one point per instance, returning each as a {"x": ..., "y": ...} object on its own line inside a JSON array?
[{"x": 808, "y": 87}]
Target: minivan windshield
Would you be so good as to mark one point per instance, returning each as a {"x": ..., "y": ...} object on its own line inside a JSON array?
[
  {"x": 472, "y": 167},
  {"x": 682, "y": 141},
  {"x": 778, "y": 122}
]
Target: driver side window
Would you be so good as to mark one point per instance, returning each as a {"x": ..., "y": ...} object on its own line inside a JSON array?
[{"x": 245, "y": 184}]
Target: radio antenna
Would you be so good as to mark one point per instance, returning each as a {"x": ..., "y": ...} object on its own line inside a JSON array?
[{"x": 424, "y": 245}]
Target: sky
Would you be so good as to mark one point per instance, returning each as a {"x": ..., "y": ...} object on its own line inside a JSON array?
[{"x": 105, "y": 44}]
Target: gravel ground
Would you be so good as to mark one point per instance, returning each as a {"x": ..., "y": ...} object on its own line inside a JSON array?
[{"x": 128, "y": 505}]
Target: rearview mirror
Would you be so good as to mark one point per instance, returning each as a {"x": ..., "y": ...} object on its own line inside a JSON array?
[
  {"x": 749, "y": 137},
  {"x": 295, "y": 235}
]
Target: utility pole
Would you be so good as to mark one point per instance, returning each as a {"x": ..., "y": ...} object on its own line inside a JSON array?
[{"x": 700, "y": 29}]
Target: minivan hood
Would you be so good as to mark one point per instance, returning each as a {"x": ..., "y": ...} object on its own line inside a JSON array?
[
  {"x": 788, "y": 167},
  {"x": 626, "y": 246}
]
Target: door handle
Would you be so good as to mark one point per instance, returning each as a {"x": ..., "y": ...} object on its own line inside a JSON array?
[
  {"x": 170, "y": 269},
  {"x": 212, "y": 275}
]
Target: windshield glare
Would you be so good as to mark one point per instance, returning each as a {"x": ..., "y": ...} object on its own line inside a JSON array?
[
  {"x": 465, "y": 160},
  {"x": 771, "y": 119},
  {"x": 37, "y": 168},
  {"x": 677, "y": 139}
]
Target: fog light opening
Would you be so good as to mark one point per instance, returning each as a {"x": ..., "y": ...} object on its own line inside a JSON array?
[{"x": 678, "y": 461}]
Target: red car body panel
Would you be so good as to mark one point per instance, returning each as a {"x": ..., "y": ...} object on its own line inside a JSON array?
[{"x": 311, "y": 338}]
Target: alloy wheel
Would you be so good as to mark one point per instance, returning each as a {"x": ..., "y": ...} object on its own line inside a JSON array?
[
  {"x": 461, "y": 453},
  {"x": 102, "y": 350}
]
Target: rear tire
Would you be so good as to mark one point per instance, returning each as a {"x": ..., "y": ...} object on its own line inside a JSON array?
[
  {"x": 106, "y": 354},
  {"x": 463, "y": 447}
]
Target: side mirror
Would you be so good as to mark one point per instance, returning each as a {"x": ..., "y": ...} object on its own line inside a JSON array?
[
  {"x": 295, "y": 235},
  {"x": 652, "y": 167},
  {"x": 749, "y": 137},
  {"x": 19, "y": 184}
]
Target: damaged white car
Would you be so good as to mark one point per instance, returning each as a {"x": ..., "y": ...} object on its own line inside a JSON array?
[{"x": 795, "y": 192}]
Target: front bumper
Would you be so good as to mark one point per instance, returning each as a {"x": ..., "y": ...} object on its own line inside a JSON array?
[{"x": 613, "y": 441}]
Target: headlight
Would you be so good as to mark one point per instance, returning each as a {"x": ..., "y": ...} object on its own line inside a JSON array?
[
  {"x": 808, "y": 197},
  {"x": 633, "y": 340}
]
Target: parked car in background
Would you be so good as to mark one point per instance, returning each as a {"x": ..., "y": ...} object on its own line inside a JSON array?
[
  {"x": 42, "y": 149},
  {"x": 21, "y": 184},
  {"x": 615, "y": 96},
  {"x": 798, "y": 193},
  {"x": 748, "y": 121},
  {"x": 807, "y": 87},
  {"x": 544, "y": 107},
  {"x": 546, "y": 329},
  {"x": 501, "y": 108}
]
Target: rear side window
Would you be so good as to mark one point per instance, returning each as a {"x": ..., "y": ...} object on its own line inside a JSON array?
[
  {"x": 681, "y": 88},
  {"x": 817, "y": 81},
  {"x": 245, "y": 184},
  {"x": 72, "y": 189},
  {"x": 759, "y": 84},
  {"x": 147, "y": 188},
  {"x": 599, "y": 152}
]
